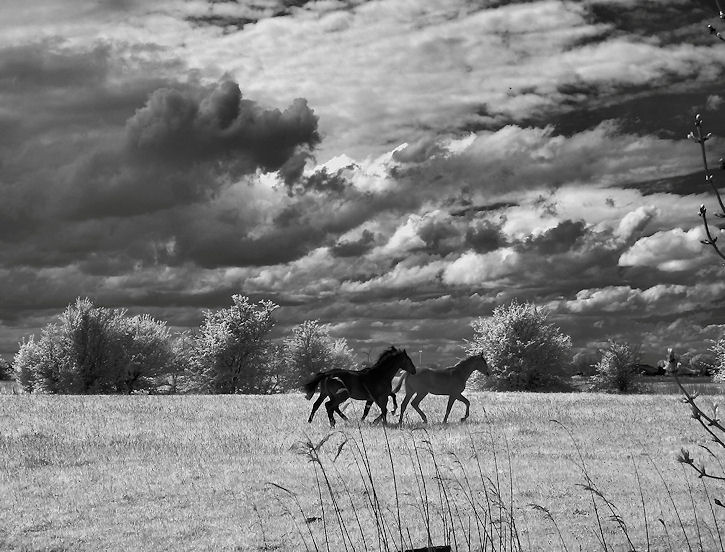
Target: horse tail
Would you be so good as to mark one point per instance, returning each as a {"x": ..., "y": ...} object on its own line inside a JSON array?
[
  {"x": 311, "y": 386},
  {"x": 400, "y": 382}
]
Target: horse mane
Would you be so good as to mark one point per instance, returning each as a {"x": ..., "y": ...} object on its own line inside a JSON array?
[
  {"x": 387, "y": 354},
  {"x": 463, "y": 362}
]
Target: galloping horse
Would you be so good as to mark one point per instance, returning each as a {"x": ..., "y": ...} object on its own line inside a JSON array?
[
  {"x": 450, "y": 381},
  {"x": 372, "y": 383}
]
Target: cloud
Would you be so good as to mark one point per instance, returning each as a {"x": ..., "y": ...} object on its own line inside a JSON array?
[
  {"x": 161, "y": 158},
  {"x": 345, "y": 248},
  {"x": 478, "y": 269},
  {"x": 635, "y": 221},
  {"x": 559, "y": 239},
  {"x": 187, "y": 126},
  {"x": 671, "y": 250}
]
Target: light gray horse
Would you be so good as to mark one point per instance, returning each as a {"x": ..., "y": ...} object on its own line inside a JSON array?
[{"x": 449, "y": 381}]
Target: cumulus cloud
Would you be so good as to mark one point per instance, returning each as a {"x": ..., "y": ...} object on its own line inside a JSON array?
[
  {"x": 474, "y": 269},
  {"x": 185, "y": 127},
  {"x": 635, "y": 221},
  {"x": 671, "y": 250}
]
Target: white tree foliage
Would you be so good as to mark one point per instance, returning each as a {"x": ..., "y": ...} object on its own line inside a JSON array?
[
  {"x": 233, "y": 347},
  {"x": 615, "y": 370},
  {"x": 310, "y": 349},
  {"x": 95, "y": 350},
  {"x": 523, "y": 350}
]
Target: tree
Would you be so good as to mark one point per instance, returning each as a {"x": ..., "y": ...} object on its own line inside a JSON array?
[
  {"x": 523, "y": 350},
  {"x": 232, "y": 348},
  {"x": 148, "y": 355},
  {"x": 310, "y": 349},
  {"x": 616, "y": 369},
  {"x": 95, "y": 350}
]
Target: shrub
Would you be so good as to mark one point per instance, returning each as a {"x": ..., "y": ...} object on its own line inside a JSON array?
[
  {"x": 615, "y": 370},
  {"x": 524, "y": 351}
]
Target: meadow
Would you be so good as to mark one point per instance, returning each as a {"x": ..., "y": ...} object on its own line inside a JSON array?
[{"x": 230, "y": 473}]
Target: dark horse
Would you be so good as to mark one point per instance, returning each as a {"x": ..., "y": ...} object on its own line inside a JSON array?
[
  {"x": 449, "y": 381},
  {"x": 372, "y": 383}
]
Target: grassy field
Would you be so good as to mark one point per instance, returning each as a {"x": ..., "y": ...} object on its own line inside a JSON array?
[{"x": 193, "y": 472}]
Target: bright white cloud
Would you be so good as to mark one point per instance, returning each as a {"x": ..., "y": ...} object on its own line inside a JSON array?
[
  {"x": 670, "y": 250},
  {"x": 635, "y": 221},
  {"x": 480, "y": 269}
]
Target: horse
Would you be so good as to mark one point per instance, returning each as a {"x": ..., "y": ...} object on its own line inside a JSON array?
[
  {"x": 449, "y": 381},
  {"x": 371, "y": 383}
]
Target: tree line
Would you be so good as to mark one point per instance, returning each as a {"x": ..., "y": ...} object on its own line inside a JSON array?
[
  {"x": 98, "y": 350},
  {"x": 91, "y": 349}
]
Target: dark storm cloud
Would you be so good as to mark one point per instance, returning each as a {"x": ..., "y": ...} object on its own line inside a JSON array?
[
  {"x": 559, "y": 239},
  {"x": 640, "y": 114},
  {"x": 693, "y": 183},
  {"x": 186, "y": 127},
  {"x": 106, "y": 186},
  {"x": 232, "y": 15},
  {"x": 184, "y": 144},
  {"x": 485, "y": 236},
  {"x": 651, "y": 18},
  {"x": 354, "y": 248}
]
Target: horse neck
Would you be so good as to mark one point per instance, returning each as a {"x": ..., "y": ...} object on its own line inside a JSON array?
[
  {"x": 386, "y": 369},
  {"x": 465, "y": 369}
]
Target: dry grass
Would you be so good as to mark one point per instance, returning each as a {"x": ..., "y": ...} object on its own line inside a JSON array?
[{"x": 192, "y": 472}]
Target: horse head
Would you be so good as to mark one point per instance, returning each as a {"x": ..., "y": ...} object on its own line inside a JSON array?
[
  {"x": 476, "y": 362},
  {"x": 407, "y": 363},
  {"x": 481, "y": 364}
]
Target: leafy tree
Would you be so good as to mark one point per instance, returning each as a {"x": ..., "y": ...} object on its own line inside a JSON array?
[
  {"x": 523, "y": 350},
  {"x": 147, "y": 354},
  {"x": 94, "y": 344},
  {"x": 44, "y": 365},
  {"x": 233, "y": 346},
  {"x": 310, "y": 349},
  {"x": 616, "y": 368},
  {"x": 95, "y": 350}
]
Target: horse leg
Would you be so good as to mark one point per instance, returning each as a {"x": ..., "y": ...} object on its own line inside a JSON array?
[
  {"x": 416, "y": 401},
  {"x": 383, "y": 405},
  {"x": 315, "y": 406},
  {"x": 395, "y": 403},
  {"x": 331, "y": 406},
  {"x": 465, "y": 401},
  {"x": 403, "y": 405},
  {"x": 368, "y": 404},
  {"x": 451, "y": 400},
  {"x": 340, "y": 397}
]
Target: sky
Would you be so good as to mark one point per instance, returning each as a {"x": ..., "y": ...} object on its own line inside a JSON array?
[{"x": 392, "y": 168}]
